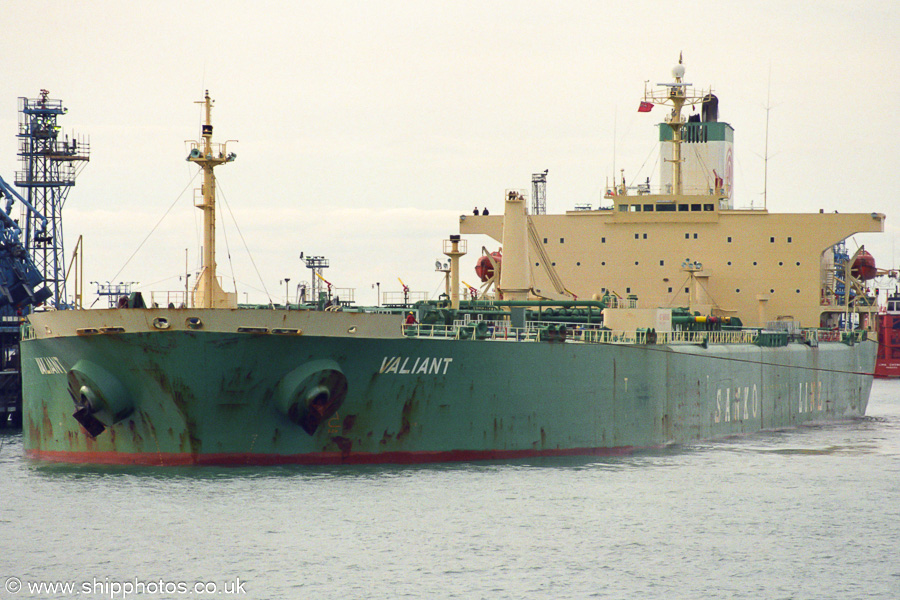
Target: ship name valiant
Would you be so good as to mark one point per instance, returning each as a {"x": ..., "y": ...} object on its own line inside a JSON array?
[
  {"x": 49, "y": 365},
  {"x": 408, "y": 365}
]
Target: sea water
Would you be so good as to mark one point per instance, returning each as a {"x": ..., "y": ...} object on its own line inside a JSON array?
[{"x": 811, "y": 513}]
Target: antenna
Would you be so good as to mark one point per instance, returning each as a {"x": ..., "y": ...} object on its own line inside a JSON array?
[
  {"x": 766, "y": 159},
  {"x": 615, "y": 125}
]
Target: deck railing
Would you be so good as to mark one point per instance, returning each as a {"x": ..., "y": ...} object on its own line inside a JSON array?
[{"x": 535, "y": 331}]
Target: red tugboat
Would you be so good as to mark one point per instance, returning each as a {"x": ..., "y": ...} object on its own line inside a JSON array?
[{"x": 887, "y": 365}]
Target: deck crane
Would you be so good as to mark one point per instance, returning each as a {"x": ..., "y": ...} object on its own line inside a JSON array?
[
  {"x": 328, "y": 302},
  {"x": 328, "y": 283},
  {"x": 405, "y": 292}
]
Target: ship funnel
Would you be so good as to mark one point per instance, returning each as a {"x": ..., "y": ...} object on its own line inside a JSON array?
[{"x": 710, "y": 109}]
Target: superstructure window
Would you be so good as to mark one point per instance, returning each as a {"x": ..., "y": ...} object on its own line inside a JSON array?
[
  {"x": 603, "y": 240},
  {"x": 695, "y": 208},
  {"x": 670, "y": 290},
  {"x": 790, "y": 239},
  {"x": 637, "y": 236},
  {"x": 709, "y": 207},
  {"x": 771, "y": 240},
  {"x": 648, "y": 208},
  {"x": 729, "y": 239},
  {"x": 545, "y": 240},
  {"x": 687, "y": 236},
  {"x": 562, "y": 240},
  {"x": 662, "y": 263}
]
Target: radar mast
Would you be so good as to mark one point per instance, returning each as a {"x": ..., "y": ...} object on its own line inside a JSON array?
[{"x": 678, "y": 94}]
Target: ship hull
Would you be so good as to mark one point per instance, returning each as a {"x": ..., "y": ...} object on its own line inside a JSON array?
[{"x": 215, "y": 395}]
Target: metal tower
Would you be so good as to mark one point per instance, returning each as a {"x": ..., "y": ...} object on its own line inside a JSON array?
[
  {"x": 316, "y": 264},
  {"x": 50, "y": 162},
  {"x": 539, "y": 193}
]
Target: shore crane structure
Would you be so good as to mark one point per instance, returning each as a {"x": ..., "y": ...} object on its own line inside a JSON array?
[{"x": 50, "y": 161}]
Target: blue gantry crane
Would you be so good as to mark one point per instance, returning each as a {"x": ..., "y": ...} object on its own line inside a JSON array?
[
  {"x": 21, "y": 289},
  {"x": 21, "y": 284}
]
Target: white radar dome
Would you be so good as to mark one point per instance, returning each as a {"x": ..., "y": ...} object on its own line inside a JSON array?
[{"x": 678, "y": 71}]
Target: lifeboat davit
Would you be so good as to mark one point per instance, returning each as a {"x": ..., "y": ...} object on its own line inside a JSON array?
[
  {"x": 864, "y": 266},
  {"x": 484, "y": 268}
]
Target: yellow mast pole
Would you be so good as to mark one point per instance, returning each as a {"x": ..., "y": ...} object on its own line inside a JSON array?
[
  {"x": 208, "y": 207},
  {"x": 78, "y": 261},
  {"x": 454, "y": 248},
  {"x": 207, "y": 291}
]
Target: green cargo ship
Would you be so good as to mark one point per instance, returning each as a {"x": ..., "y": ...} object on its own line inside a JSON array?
[
  {"x": 528, "y": 370},
  {"x": 263, "y": 386}
]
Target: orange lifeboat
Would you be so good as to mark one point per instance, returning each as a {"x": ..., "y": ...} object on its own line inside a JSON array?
[
  {"x": 864, "y": 266},
  {"x": 484, "y": 268}
]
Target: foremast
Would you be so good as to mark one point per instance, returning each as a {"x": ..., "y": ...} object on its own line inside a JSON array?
[{"x": 208, "y": 292}]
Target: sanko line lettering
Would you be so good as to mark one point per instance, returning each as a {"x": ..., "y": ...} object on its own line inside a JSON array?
[
  {"x": 407, "y": 365},
  {"x": 730, "y": 400}
]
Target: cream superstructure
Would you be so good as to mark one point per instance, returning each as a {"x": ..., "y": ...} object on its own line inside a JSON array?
[{"x": 692, "y": 248}]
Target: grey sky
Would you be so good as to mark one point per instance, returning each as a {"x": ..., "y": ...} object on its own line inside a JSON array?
[{"x": 366, "y": 128}]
